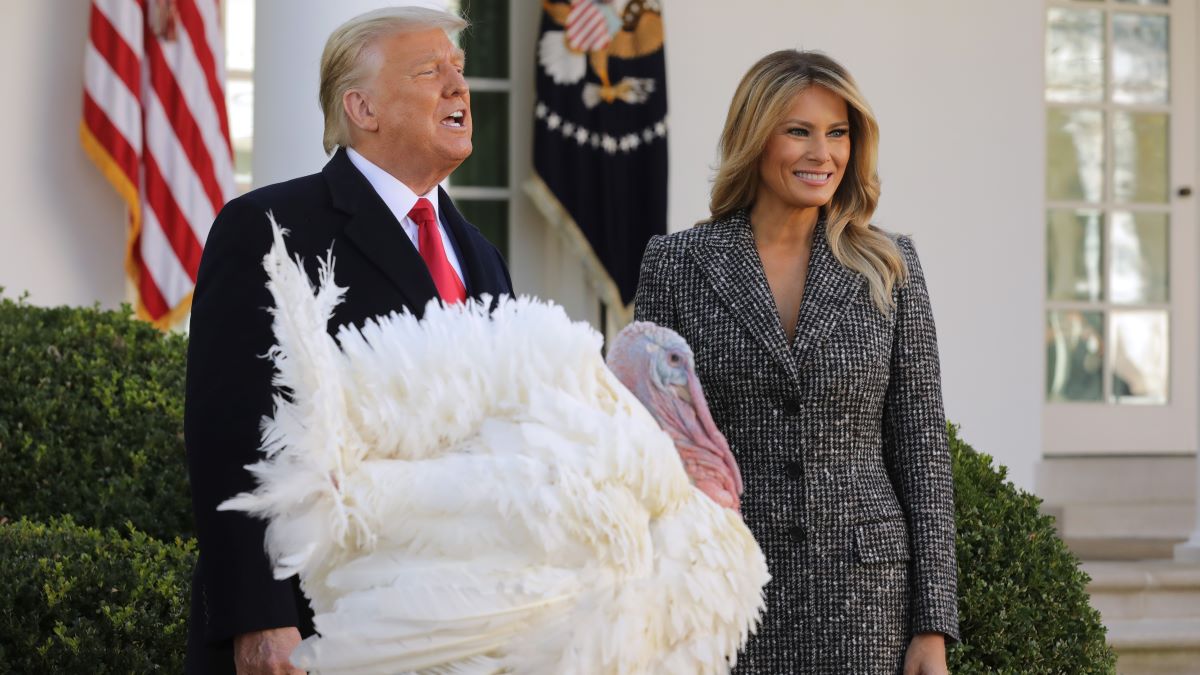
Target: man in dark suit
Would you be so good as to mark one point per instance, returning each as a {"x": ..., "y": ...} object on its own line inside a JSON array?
[{"x": 398, "y": 121}]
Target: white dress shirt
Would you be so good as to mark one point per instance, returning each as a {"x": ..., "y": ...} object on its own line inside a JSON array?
[{"x": 400, "y": 199}]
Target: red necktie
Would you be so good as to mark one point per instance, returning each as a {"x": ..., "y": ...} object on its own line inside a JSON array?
[{"x": 429, "y": 241}]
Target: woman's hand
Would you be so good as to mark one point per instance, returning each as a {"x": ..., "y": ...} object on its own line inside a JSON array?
[{"x": 926, "y": 655}]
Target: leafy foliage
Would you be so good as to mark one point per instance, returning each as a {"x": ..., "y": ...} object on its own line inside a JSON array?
[
  {"x": 81, "y": 600},
  {"x": 91, "y": 419},
  {"x": 1022, "y": 599}
]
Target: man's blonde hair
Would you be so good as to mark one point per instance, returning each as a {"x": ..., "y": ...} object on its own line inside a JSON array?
[
  {"x": 345, "y": 63},
  {"x": 760, "y": 103}
]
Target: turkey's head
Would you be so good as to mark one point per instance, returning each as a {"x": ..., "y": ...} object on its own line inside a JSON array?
[{"x": 656, "y": 364}]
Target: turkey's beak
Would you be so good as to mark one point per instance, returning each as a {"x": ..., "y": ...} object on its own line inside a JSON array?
[{"x": 708, "y": 436}]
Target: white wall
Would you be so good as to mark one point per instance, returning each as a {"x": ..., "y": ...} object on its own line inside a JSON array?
[{"x": 62, "y": 228}]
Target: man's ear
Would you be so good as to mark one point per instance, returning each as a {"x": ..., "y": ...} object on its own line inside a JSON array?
[{"x": 360, "y": 110}]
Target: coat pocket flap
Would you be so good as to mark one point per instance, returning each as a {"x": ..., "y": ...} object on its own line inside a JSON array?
[{"x": 885, "y": 541}]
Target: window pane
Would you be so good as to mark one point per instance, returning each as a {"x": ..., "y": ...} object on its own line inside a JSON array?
[
  {"x": 1074, "y": 55},
  {"x": 488, "y": 164},
  {"x": 1140, "y": 58},
  {"x": 1139, "y": 262},
  {"x": 239, "y": 101},
  {"x": 239, "y": 35},
  {"x": 1074, "y": 349},
  {"x": 1074, "y": 154},
  {"x": 238, "y": 26},
  {"x": 1073, "y": 254},
  {"x": 1139, "y": 361},
  {"x": 490, "y": 216},
  {"x": 486, "y": 41},
  {"x": 1140, "y": 157}
]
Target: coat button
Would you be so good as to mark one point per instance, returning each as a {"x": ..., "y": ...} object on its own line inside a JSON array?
[
  {"x": 793, "y": 470},
  {"x": 797, "y": 533},
  {"x": 791, "y": 407}
]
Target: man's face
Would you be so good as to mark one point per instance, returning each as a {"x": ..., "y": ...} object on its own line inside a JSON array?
[{"x": 421, "y": 103}]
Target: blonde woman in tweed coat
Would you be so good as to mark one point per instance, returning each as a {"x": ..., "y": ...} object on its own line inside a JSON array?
[{"x": 815, "y": 343}]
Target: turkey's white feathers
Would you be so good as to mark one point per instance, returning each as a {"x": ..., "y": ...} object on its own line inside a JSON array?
[{"x": 475, "y": 492}]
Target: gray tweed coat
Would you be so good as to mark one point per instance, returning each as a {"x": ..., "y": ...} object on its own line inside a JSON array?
[{"x": 840, "y": 437}]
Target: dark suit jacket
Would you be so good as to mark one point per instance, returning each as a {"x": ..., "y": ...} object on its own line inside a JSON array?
[
  {"x": 841, "y": 439},
  {"x": 229, "y": 382}
]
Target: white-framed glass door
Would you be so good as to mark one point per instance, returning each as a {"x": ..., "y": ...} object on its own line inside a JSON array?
[{"x": 1121, "y": 320}]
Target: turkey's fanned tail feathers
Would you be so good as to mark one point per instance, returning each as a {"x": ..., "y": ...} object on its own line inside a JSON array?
[{"x": 475, "y": 492}]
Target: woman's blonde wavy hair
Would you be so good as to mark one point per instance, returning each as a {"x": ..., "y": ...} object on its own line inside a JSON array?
[{"x": 761, "y": 102}]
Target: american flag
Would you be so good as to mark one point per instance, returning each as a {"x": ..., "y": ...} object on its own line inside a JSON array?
[{"x": 154, "y": 121}]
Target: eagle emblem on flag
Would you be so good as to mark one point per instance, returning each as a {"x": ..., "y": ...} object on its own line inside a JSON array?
[{"x": 595, "y": 31}]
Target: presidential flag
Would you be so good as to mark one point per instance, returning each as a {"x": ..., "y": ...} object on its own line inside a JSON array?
[
  {"x": 600, "y": 133},
  {"x": 154, "y": 122}
]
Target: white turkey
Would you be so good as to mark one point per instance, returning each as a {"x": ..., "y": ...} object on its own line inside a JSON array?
[{"x": 517, "y": 511}]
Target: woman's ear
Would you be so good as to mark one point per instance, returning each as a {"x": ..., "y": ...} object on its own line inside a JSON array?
[{"x": 360, "y": 110}]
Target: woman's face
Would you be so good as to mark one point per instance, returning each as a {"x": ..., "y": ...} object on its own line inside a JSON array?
[{"x": 807, "y": 153}]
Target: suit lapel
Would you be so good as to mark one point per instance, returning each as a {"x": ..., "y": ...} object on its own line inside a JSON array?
[
  {"x": 730, "y": 261},
  {"x": 374, "y": 231},
  {"x": 829, "y": 290},
  {"x": 466, "y": 237}
]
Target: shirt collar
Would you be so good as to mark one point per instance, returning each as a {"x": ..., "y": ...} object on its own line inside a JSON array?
[{"x": 399, "y": 197}]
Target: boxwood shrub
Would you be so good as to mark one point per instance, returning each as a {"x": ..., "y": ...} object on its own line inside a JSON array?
[
  {"x": 91, "y": 419},
  {"x": 82, "y": 600},
  {"x": 1022, "y": 600}
]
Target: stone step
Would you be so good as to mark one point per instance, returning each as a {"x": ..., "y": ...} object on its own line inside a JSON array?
[
  {"x": 1151, "y": 609},
  {"x": 1100, "y": 503},
  {"x": 1117, "y": 480},
  {"x": 1156, "y": 646},
  {"x": 1146, "y": 590},
  {"x": 1123, "y": 548},
  {"x": 1126, "y": 520}
]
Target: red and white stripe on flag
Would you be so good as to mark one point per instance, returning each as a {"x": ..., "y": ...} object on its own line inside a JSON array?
[
  {"x": 154, "y": 121},
  {"x": 587, "y": 27}
]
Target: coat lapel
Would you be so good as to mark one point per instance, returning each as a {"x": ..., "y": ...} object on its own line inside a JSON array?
[
  {"x": 829, "y": 290},
  {"x": 730, "y": 260},
  {"x": 374, "y": 231},
  {"x": 469, "y": 250}
]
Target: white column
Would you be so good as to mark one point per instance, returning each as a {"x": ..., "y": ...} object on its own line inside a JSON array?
[
  {"x": 1189, "y": 551},
  {"x": 289, "y": 36}
]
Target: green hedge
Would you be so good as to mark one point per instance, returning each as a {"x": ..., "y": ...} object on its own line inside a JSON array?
[
  {"x": 91, "y": 419},
  {"x": 81, "y": 600},
  {"x": 1023, "y": 605}
]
